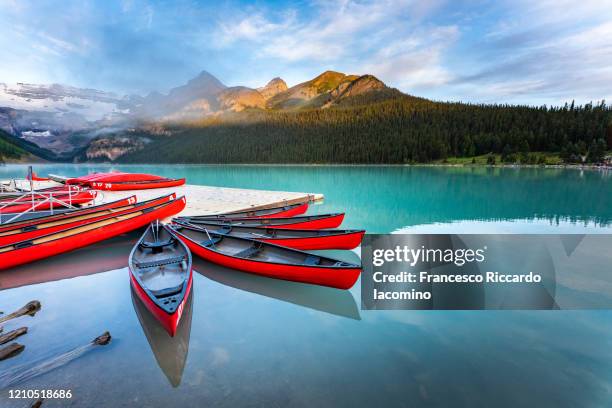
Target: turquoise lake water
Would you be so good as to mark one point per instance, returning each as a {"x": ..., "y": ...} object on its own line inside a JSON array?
[{"x": 259, "y": 342}]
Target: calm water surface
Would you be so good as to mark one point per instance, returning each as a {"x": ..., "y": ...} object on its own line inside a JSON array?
[{"x": 252, "y": 341}]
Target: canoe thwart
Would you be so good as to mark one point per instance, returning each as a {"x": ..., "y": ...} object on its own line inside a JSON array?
[{"x": 162, "y": 262}]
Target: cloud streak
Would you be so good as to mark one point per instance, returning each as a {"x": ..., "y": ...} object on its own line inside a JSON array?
[{"x": 508, "y": 52}]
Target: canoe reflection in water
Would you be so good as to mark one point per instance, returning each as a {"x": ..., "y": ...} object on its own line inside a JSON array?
[
  {"x": 170, "y": 352},
  {"x": 101, "y": 257},
  {"x": 334, "y": 301}
]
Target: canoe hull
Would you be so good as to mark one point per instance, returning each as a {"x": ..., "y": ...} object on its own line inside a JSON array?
[
  {"x": 24, "y": 223},
  {"x": 327, "y": 222},
  {"x": 168, "y": 321},
  {"x": 292, "y": 212},
  {"x": 342, "y": 241},
  {"x": 286, "y": 211},
  {"x": 35, "y": 233},
  {"x": 136, "y": 185},
  {"x": 323, "y": 223},
  {"x": 343, "y": 278},
  {"x": 44, "y": 250}
]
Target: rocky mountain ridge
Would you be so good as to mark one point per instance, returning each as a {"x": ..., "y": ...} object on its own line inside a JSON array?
[{"x": 66, "y": 119}]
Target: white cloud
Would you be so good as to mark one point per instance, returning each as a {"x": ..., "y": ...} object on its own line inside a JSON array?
[
  {"x": 380, "y": 37},
  {"x": 415, "y": 62},
  {"x": 550, "y": 51},
  {"x": 253, "y": 28}
]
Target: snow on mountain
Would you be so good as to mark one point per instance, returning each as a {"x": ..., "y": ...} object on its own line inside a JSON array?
[{"x": 91, "y": 104}]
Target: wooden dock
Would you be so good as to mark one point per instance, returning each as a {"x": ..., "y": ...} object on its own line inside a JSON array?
[{"x": 201, "y": 200}]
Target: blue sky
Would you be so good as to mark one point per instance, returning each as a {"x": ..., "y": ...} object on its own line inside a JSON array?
[{"x": 533, "y": 52}]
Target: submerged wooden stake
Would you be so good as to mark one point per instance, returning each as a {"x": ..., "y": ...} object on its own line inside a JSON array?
[
  {"x": 11, "y": 350},
  {"x": 103, "y": 339},
  {"x": 12, "y": 335},
  {"x": 37, "y": 403},
  {"x": 26, "y": 372},
  {"x": 29, "y": 309}
]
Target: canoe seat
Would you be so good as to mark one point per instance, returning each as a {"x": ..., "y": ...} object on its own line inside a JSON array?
[
  {"x": 161, "y": 262},
  {"x": 23, "y": 244},
  {"x": 167, "y": 291},
  {"x": 251, "y": 251},
  {"x": 312, "y": 260},
  {"x": 225, "y": 229},
  {"x": 156, "y": 245},
  {"x": 210, "y": 242},
  {"x": 341, "y": 263}
]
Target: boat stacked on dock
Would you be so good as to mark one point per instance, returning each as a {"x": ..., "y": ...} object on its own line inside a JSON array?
[
  {"x": 269, "y": 243},
  {"x": 119, "y": 181},
  {"x": 306, "y": 222},
  {"x": 45, "y": 200},
  {"x": 30, "y": 240}
]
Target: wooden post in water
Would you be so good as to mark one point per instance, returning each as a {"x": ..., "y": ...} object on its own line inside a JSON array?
[
  {"x": 38, "y": 403},
  {"x": 29, "y": 309},
  {"x": 11, "y": 350},
  {"x": 12, "y": 335}
]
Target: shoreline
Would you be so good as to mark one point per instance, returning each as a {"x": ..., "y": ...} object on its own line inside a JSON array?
[{"x": 454, "y": 165}]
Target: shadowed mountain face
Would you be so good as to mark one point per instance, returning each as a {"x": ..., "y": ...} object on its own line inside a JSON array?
[{"x": 199, "y": 91}]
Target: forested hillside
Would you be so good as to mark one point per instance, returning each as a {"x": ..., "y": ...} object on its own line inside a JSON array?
[
  {"x": 8, "y": 149},
  {"x": 398, "y": 130}
]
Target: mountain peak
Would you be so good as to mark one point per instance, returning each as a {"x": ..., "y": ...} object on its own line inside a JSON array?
[
  {"x": 205, "y": 78},
  {"x": 275, "y": 86}
]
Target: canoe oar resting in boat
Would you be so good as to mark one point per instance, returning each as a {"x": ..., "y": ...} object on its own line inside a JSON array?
[
  {"x": 161, "y": 275},
  {"x": 292, "y": 238},
  {"x": 269, "y": 260}
]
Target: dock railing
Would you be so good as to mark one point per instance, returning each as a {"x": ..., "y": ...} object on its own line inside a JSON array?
[{"x": 50, "y": 201}]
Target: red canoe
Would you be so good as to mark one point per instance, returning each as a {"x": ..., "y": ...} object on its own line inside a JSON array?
[
  {"x": 284, "y": 211},
  {"x": 36, "y": 178},
  {"x": 65, "y": 199},
  {"x": 161, "y": 274},
  {"x": 269, "y": 260},
  {"x": 77, "y": 237},
  {"x": 291, "y": 238},
  {"x": 26, "y": 195},
  {"x": 116, "y": 181},
  {"x": 136, "y": 185},
  {"x": 39, "y": 227},
  {"x": 32, "y": 222},
  {"x": 311, "y": 222},
  {"x": 112, "y": 177},
  {"x": 60, "y": 193}
]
